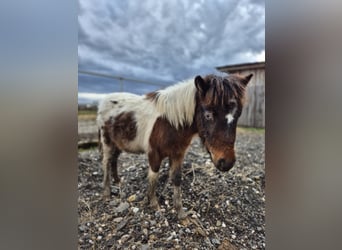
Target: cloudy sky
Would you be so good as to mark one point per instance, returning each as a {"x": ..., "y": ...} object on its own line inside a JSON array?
[{"x": 165, "y": 41}]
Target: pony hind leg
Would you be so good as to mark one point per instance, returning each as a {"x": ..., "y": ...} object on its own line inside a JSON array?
[
  {"x": 106, "y": 167},
  {"x": 109, "y": 163},
  {"x": 110, "y": 154},
  {"x": 114, "y": 163}
]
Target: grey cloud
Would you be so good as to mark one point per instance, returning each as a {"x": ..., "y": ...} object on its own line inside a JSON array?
[{"x": 168, "y": 40}]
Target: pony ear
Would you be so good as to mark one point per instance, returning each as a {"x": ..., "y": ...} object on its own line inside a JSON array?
[
  {"x": 201, "y": 85},
  {"x": 246, "y": 79}
]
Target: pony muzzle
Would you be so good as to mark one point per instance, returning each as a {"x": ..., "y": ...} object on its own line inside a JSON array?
[{"x": 223, "y": 162}]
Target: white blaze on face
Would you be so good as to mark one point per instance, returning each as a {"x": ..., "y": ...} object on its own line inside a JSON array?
[{"x": 229, "y": 118}]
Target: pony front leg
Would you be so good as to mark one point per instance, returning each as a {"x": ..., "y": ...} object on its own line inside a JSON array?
[
  {"x": 151, "y": 192},
  {"x": 176, "y": 177},
  {"x": 155, "y": 161}
]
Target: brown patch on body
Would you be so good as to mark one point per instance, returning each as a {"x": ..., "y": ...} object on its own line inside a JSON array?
[
  {"x": 120, "y": 129},
  {"x": 167, "y": 141}
]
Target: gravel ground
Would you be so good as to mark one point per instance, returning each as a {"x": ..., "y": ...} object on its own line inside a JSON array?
[{"x": 228, "y": 208}]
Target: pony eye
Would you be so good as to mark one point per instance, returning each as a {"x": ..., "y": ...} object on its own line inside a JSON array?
[
  {"x": 208, "y": 115},
  {"x": 232, "y": 104}
]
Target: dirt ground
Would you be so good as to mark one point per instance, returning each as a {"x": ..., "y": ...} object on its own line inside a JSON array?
[{"x": 228, "y": 208}]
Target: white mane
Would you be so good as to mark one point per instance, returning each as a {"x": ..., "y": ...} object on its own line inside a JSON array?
[{"x": 177, "y": 103}]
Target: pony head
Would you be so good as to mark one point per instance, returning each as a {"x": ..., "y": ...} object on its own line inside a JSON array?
[{"x": 219, "y": 102}]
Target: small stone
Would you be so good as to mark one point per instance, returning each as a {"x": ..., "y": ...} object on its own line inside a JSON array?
[
  {"x": 121, "y": 225},
  {"x": 124, "y": 238},
  {"x": 218, "y": 223},
  {"x": 91, "y": 242},
  {"x": 132, "y": 198},
  {"x": 233, "y": 236},
  {"x": 100, "y": 229},
  {"x": 223, "y": 224},
  {"x": 114, "y": 203},
  {"x": 166, "y": 223},
  {"x": 95, "y": 173},
  {"x": 135, "y": 210},
  {"x": 144, "y": 247},
  {"x": 215, "y": 241},
  {"x": 99, "y": 237},
  {"x": 122, "y": 207},
  {"x": 152, "y": 237},
  {"x": 117, "y": 219}
]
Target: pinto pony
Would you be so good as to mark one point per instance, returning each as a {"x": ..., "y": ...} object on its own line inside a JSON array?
[{"x": 163, "y": 123}]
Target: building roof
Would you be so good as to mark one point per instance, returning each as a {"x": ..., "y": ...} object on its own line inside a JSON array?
[{"x": 240, "y": 67}]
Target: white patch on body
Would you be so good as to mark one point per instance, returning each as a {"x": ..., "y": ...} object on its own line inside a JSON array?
[
  {"x": 229, "y": 118},
  {"x": 145, "y": 115}
]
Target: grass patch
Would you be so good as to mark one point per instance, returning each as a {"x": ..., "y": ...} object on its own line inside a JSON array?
[
  {"x": 87, "y": 112},
  {"x": 80, "y": 150},
  {"x": 87, "y": 115},
  {"x": 251, "y": 129}
]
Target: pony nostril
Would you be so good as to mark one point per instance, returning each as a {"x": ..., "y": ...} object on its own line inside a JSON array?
[
  {"x": 221, "y": 163},
  {"x": 224, "y": 165}
]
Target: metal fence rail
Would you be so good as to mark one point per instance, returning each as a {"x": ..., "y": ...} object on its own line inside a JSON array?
[{"x": 121, "y": 79}]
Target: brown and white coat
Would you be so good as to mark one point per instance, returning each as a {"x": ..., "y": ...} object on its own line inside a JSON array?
[{"x": 163, "y": 123}]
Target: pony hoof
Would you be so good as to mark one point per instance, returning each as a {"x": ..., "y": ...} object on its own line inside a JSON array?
[
  {"x": 116, "y": 180},
  {"x": 106, "y": 195},
  {"x": 182, "y": 215},
  {"x": 152, "y": 203},
  {"x": 155, "y": 205}
]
